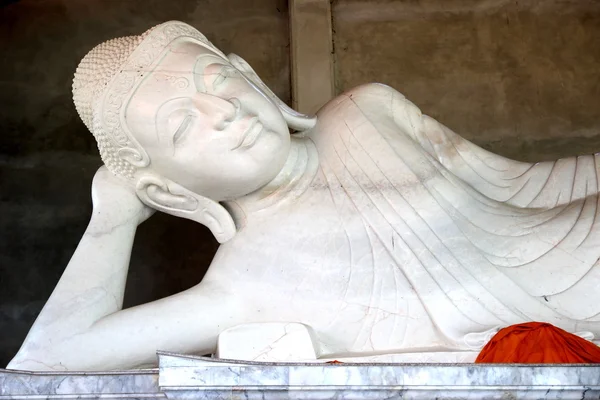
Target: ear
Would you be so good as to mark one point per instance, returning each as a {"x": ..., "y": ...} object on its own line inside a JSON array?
[
  {"x": 167, "y": 196},
  {"x": 295, "y": 120}
]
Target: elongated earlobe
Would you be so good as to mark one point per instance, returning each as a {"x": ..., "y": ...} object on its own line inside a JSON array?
[
  {"x": 167, "y": 196},
  {"x": 295, "y": 120}
]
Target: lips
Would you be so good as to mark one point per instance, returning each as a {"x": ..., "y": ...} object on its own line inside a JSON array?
[{"x": 250, "y": 135}]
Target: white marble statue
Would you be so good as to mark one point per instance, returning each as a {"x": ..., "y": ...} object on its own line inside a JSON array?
[{"x": 373, "y": 225}]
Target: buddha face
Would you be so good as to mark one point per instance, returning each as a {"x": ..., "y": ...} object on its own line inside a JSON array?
[{"x": 205, "y": 126}]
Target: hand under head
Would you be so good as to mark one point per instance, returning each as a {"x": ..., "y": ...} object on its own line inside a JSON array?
[{"x": 184, "y": 125}]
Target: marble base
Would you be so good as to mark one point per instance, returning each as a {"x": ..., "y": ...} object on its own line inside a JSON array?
[
  {"x": 130, "y": 385},
  {"x": 188, "y": 377}
]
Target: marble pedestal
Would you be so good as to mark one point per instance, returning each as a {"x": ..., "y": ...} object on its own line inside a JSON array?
[{"x": 187, "y": 377}]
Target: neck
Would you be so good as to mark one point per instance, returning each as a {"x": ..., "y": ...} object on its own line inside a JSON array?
[{"x": 291, "y": 183}]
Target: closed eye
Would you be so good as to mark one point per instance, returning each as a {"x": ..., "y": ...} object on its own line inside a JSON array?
[
  {"x": 225, "y": 72},
  {"x": 182, "y": 128}
]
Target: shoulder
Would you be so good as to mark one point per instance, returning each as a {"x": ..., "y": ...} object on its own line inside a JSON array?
[
  {"x": 369, "y": 104},
  {"x": 373, "y": 99},
  {"x": 369, "y": 89},
  {"x": 376, "y": 104},
  {"x": 371, "y": 95},
  {"x": 370, "y": 92}
]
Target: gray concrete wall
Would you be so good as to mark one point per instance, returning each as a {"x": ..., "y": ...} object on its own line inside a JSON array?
[
  {"x": 519, "y": 77},
  {"x": 48, "y": 158}
]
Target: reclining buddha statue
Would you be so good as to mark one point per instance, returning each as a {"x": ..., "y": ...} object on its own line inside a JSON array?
[{"x": 372, "y": 224}]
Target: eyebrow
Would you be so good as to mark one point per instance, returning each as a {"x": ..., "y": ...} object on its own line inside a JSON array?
[
  {"x": 182, "y": 128},
  {"x": 179, "y": 82}
]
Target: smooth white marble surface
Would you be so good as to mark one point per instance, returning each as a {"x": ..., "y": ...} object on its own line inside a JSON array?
[
  {"x": 274, "y": 341},
  {"x": 441, "y": 357},
  {"x": 287, "y": 342},
  {"x": 380, "y": 229}
]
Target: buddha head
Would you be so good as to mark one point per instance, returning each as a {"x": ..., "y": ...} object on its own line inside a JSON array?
[{"x": 181, "y": 122}]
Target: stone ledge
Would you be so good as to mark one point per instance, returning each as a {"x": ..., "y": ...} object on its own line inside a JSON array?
[
  {"x": 189, "y": 377},
  {"x": 130, "y": 385}
]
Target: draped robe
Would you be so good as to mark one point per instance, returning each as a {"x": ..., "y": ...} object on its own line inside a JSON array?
[
  {"x": 483, "y": 240},
  {"x": 408, "y": 238}
]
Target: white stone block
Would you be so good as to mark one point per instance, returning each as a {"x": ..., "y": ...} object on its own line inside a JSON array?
[{"x": 274, "y": 341}]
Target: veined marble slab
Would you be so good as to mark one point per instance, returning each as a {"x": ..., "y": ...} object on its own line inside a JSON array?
[
  {"x": 130, "y": 385},
  {"x": 189, "y": 377}
]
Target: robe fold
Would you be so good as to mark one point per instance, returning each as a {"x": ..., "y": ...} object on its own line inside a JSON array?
[{"x": 484, "y": 241}]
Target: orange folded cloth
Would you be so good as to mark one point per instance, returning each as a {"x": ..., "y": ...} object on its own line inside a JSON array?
[{"x": 537, "y": 342}]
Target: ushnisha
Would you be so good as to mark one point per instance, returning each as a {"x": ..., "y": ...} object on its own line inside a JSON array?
[{"x": 373, "y": 225}]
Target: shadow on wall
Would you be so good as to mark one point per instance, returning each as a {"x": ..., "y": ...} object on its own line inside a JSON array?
[{"x": 48, "y": 158}]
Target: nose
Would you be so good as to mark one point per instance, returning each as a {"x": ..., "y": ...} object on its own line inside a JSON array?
[{"x": 220, "y": 111}]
